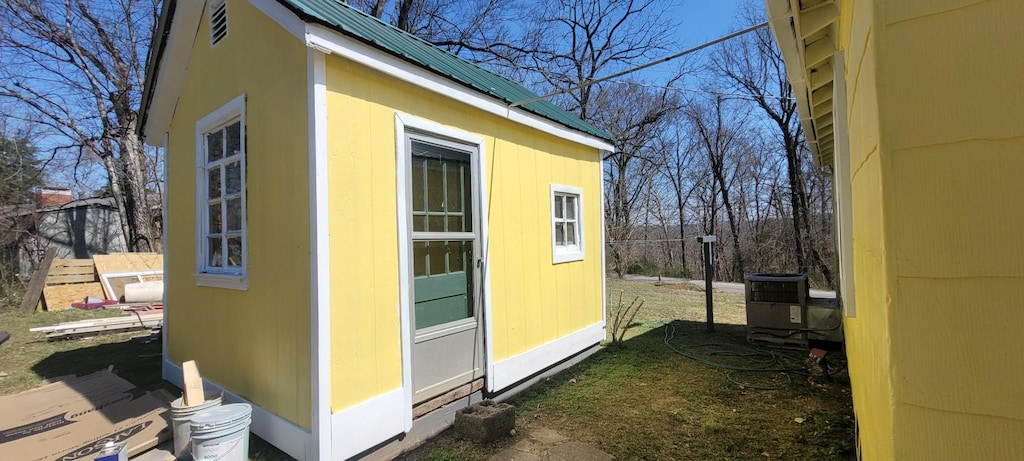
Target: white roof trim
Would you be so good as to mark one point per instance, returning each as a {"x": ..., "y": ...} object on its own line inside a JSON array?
[
  {"x": 172, "y": 72},
  {"x": 327, "y": 40}
]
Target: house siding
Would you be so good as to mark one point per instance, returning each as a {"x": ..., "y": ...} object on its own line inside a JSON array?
[
  {"x": 533, "y": 300},
  {"x": 936, "y": 124},
  {"x": 256, "y": 342}
]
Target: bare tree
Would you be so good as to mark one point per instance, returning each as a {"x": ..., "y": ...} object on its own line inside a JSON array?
[
  {"x": 718, "y": 130},
  {"x": 754, "y": 66},
  {"x": 78, "y": 66}
]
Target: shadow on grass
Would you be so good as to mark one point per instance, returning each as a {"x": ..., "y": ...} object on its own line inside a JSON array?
[{"x": 134, "y": 360}]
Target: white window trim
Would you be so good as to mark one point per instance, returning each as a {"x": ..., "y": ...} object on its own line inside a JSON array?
[
  {"x": 235, "y": 109},
  {"x": 561, "y": 254},
  {"x": 842, "y": 189}
]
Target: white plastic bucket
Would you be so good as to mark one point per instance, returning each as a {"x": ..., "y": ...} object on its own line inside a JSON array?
[
  {"x": 222, "y": 433},
  {"x": 181, "y": 417}
]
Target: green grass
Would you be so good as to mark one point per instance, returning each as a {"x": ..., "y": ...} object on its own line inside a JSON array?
[{"x": 641, "y": 400}]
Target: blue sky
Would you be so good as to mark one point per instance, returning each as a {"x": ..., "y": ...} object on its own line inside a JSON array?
[{"x": 704, "y": 20}]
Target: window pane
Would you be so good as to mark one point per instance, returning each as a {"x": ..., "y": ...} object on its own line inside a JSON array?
[
  {"x": 436, "y": 224},
  {"x": 560, "y": 234},
  {"x": 419, "y": 199},
  {"x": 457, "y": 256},
  {"x": 435, "y": 186},
  {"x": 213, "y": 182},
  {"x": 215, "y": 219},
  {"x": 419, "y": 259},
  {"x": 559, "y": 207},
  {"x": 215, "y": 252},
  {"x": 419, "y": 223},
  {"x": 233, "y": 177},
  {"x": 214, "y": 146},
  {"x": 453, "y": 173},
  {"x": 570, "y": 207},
  {"x": 234, "y": 211},
  {"x": 235, "y": 251},
  {"x": 436, "y": 257},
  {"x": 455, "y": 223},
  {"x": 234, "y": 139},
  {"x": 570, "y": 233}
]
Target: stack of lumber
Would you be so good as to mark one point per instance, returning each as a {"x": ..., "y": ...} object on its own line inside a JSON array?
[
  {"x": 69, "y": 281},
  {"x": 152, "y": 319},
  {"x": 60, "y": 282},
  {"x": 120, "y": 269}
]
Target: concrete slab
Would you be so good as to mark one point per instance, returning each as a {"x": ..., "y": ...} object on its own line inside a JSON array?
[
  {"x": 547, "y": 436},
  {"x": 511, "y": 454}
]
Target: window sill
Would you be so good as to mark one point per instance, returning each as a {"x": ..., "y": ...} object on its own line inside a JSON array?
[
  {"x": 228, "y": 281},
  {"x": 567, "y": 256}
]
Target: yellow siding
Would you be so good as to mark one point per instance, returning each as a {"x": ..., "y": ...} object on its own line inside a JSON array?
[
  {"x": 936, "y": 121},
  {"x": 256, "y": 342},
  {"x": 534, "y": 302}
]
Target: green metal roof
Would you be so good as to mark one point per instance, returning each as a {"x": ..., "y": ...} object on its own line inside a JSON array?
[{"x": 366, "y": 28}]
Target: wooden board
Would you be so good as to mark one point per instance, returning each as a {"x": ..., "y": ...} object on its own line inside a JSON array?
[
  {"x": 35, "y": 287},
  {"x": 113, "y": 283},
  {"x": 128, "y": 262},
  {"x": 60, "y": 297}
]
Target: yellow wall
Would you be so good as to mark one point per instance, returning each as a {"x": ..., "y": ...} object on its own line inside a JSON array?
[
  {"x": 533, "y": 301},
  {"x": 256, "y": 343},
  {"x": 936, "y": 120}
]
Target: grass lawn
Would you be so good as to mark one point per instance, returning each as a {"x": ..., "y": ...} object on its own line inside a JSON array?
[{"x": 642, "y": 400}]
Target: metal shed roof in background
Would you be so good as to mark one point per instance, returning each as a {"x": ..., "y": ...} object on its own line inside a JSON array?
[{"x": 356, "y": 24}]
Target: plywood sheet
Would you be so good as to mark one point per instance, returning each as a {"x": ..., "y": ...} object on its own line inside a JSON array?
[
  {"x": 60, "y": 297},
  {"x": 128, "y": 262}
]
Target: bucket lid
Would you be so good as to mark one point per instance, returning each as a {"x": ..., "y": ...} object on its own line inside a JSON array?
[{"x": 222, "y": 416}]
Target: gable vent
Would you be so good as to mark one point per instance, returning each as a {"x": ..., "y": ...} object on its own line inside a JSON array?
[{"x": 218, "y": 21}]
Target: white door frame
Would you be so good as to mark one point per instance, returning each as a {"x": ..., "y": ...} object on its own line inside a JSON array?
[{"x": 403, "y": 124}]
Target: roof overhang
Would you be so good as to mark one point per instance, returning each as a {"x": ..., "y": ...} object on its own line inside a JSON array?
[
  {"x": 177, "y": 33},
  {"x": 807, "y": 32}
]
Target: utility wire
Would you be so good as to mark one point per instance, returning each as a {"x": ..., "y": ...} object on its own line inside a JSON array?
[
  {"x": 644, "y": 66},
  {"x": 696, "y": 90}
]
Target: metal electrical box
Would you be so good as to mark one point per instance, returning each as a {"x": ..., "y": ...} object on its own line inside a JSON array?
[
  {"x": 777, "y": 308},
  {"x": 781, "y": 310}
]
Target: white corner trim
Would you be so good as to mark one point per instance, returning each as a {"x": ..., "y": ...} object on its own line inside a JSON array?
[
  {"x": 563, "y": 255},
  {"x": 282, "y": 16},
  {"x": 604, "y": 256},
  {"x": 367, "y": 424},
  {"x": 320, "y": 259},
  {"x": 280, "y": 432},
  {"x": 404, "y": 197},
  {"x": 518, "y": 367},
  {"x": 320, "y": 37}
]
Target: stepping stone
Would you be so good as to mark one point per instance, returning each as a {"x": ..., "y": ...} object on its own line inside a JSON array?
[
  {"x": 574, "y": 451},
  {"x": 511, "y": 454},
  {"x": 546, "y": 436}
]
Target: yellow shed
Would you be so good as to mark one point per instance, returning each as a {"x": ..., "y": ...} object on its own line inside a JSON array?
[
  {"x": 917, "y": 107},
  {"x": 360, "y": 226}
]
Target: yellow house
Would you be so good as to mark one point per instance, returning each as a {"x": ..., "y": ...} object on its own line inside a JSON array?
[
  {"x": 358, "y": 223},
  {"x": 917, "y": 107}
]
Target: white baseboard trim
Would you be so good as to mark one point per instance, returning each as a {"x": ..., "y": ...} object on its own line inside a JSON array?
[
  {"x": 516, "y": 368},
  {"x": 367, "y": 424},
  {"x": 281, "y": 433}
]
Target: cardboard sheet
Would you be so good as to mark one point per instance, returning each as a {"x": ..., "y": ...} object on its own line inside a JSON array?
[{"x": 75, "y": 417}]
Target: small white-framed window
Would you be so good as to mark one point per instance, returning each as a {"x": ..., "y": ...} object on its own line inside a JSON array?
[
  {"x": 221, "y": 237},
  {"x": 566, "y": 224}
]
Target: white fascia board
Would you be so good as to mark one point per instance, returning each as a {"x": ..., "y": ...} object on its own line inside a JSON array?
[
  {"x": 322, "y": 38},
  {"x": 171, "y": 74},
  {"x": 519, "y": 367},
  {"x": 282, "y": 16},
  {"x": 783, "y": 21}
]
